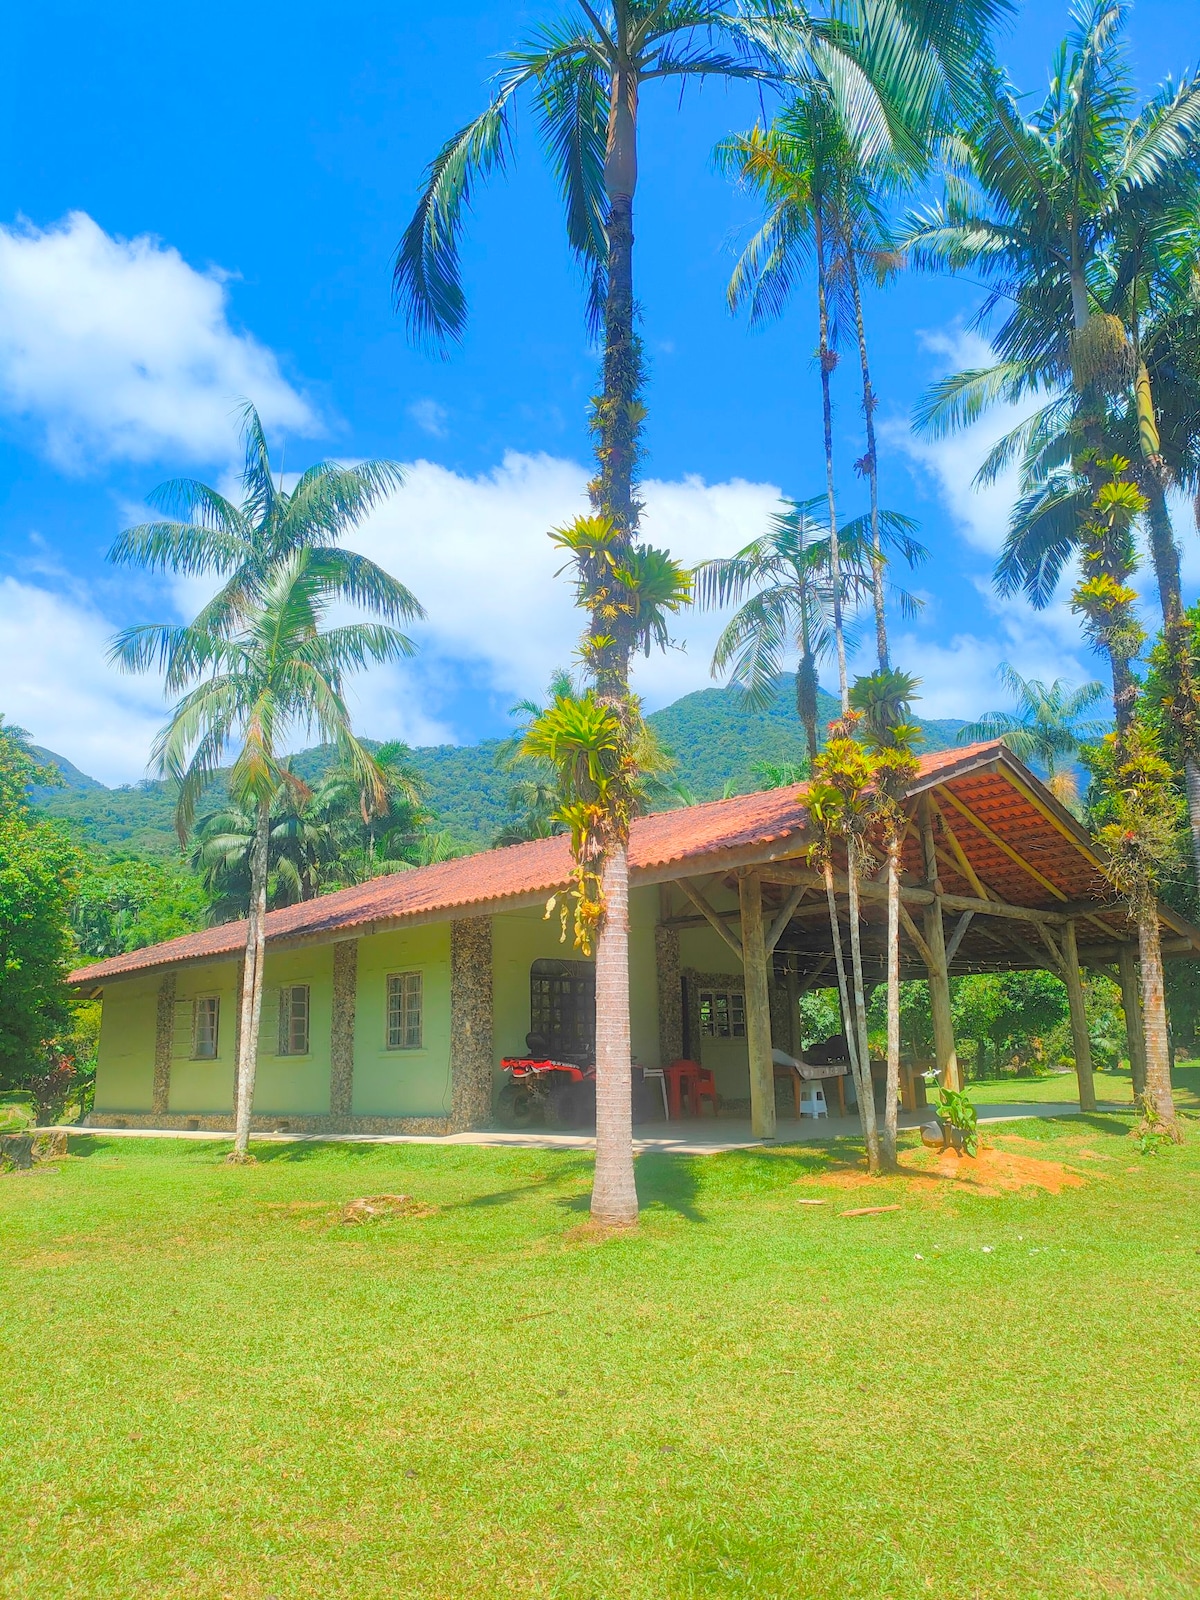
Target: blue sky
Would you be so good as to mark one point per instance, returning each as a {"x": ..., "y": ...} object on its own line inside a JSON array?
[{"x": 200, "y": 203}]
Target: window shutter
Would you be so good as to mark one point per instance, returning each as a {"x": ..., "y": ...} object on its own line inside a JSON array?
[{"x": 181, "y": 1033}]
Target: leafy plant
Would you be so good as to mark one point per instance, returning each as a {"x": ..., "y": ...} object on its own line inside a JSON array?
[
  {"x": 954, "y": 1110},
  {"x": 1150, "y": 1132}
]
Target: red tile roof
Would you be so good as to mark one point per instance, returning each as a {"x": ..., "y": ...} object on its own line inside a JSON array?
[{"x": 749, "y": 827}]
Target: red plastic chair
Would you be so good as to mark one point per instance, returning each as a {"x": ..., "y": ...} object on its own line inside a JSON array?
[{"x": 690, "y": 1078}]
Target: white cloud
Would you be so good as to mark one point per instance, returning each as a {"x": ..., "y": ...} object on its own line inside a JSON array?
[
  {"x": 980, "y": 513},
  {"x": 117, "y": 348},
  {"x": 430, "y": 416},
  {"x": 475, "y": 552},
  {"x": 58, "y": 685}
]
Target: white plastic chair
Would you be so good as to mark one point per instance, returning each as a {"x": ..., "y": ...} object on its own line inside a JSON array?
[
  {"x": 657, "y": 1072},
  {"x": 812, "y": 1101}
]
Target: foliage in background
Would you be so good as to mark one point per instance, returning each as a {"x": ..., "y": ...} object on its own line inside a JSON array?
[
  {"x": 38, "y": 868},
  {"x": 126, "y": 902}
]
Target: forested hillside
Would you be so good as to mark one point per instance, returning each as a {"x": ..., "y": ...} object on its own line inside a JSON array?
[{"x": 715, "y": 740}]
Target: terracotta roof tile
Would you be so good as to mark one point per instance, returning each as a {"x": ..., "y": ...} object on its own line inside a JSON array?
[{"x": 775, "y": 818}]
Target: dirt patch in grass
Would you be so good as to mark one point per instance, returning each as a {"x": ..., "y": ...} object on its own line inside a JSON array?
[
  {"x": 991, "y": 1172},
  {"x": 382, "y": 1208},
  {"x": 994, "y": 1171}
]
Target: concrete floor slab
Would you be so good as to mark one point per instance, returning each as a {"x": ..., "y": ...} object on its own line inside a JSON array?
[{"x": 691, "y": 1136}]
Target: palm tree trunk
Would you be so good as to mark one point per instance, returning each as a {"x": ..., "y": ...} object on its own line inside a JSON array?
[
  {"x": 870, "y": 464},
  {"x": 891, "y": 1115},
  {"x": 806, "y": 699},
  {"x": 839, "y": 961},
  {"x": 1177, "y": 646},
  {"x": 252, "y": 982},
  {"x": 614, "y": 1194},
  {"x": 828, "y": 360},
  {"x": 870, "y": 1126},
  {"x": 1154, "y": 1010},
  {"x": 617, "y": 428}
]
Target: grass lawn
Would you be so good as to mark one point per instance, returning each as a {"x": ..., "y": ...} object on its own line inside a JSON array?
[
  {"x": 1111, "y": 1087},
  {"x": 216, "y": 1389}
]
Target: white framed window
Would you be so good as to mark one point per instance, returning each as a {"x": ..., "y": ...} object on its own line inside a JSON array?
[
  {"x": 722, "y": 1013},
  {"x": 404, "y": 1011},
  {"x": 293, "y": 1020},
  {"x": 206, "y": 1016}
]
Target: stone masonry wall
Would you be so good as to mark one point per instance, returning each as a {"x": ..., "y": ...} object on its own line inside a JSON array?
[{"x": 471, "y": 1023}]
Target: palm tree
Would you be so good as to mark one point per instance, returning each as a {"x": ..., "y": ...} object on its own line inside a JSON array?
[
  {"x": 374, "y": 836},
  {"x": 246, "y": 545},
  {"x": 585, "y": 73},
  {"x": 301, "y": 852},
  {"x": 883, "y": 701},
  {"x": 1039, "y": 206},
  {"x": 1083, "y": 220},
  {"x": 822, "y": 206},
  {"x": 247, "y": 683},
  {"x": 798, "y": 166},
  {"x": 782, "y": 586},
  {"x": 1045, "y": 727}
]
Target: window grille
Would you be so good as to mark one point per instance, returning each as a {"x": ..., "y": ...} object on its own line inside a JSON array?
[
  {"x": 562, "y": 1007},
  {"x": 404, "y": 1011},
  {"x": 293, "y": 1019},
  {"x": 205, "y": 1017},
  {"x": 722, "y": 1014}
]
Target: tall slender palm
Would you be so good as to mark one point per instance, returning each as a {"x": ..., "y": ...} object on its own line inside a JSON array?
[
  {"x": 1045, "y": 727},
  {"x": 782, "y": 585},
  {"x": 797, "y": 165},
  {"x": 585, "y": 72},
  {"x": 246, "y": 683},
  {"x": 1039, "y": 206},
  {"x": 883, "y": 700},
  {"x": 206, "y": 535},
  {"x": 822, "y": 209}
]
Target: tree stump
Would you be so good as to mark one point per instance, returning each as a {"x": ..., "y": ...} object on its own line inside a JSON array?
[{"x": 22, "y": 1150}]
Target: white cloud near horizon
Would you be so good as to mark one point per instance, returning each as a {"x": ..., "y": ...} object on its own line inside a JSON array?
[
  {"x": 59, "y": 686},
  {"x": 472, "y": 548},
  {"x": 118, "y": 349}
]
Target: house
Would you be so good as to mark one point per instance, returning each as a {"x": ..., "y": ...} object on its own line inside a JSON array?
[{"x": 388, "y": 1006}]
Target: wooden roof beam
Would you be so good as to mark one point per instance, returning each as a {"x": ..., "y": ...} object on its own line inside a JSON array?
[{"x": 1002, "y": 845}]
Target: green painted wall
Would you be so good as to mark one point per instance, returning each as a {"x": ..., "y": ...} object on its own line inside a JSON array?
[
  {"x": 387, "y": 1083},
  {"x": 403, "y": 1083},
  {"x": 519, "y": 938},
  {"x": 125, "y": 1063},
  {"x": 299, "y": 1084},
  {"x": 204, "y": 1086}
]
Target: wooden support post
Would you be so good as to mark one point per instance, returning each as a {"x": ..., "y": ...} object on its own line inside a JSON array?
[
  {"x": 1131, "y": 1004},
  {"x": 939, "y": 973},
  {"x": 758, "y": 1009},
  {"x": 1080, "y": 1038},
  {"x": 944, "y": 1047},
  {"x": 792, "y": 982}
]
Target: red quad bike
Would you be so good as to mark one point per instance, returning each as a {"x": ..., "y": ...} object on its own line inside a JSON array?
[
  {"x": 560, "y": 1094},
  {"x": 540, "y": 1090}
]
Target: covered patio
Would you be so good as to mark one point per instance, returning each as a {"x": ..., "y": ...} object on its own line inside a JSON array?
[{"x": 997, "y": 876}]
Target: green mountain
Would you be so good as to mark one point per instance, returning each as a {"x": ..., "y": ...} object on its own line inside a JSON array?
[{"x": 715, "y": 740}]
